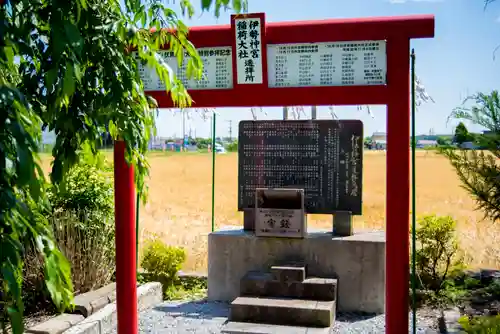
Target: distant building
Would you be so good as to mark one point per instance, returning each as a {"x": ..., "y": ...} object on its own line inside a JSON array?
[
  {"x": 378, "y": 141},
  {"x": 426, "y": 143},
  {"x": 156, "y": 143},
  {"x": 379, "y": 136},
  {"x": 468, "y": 145}
]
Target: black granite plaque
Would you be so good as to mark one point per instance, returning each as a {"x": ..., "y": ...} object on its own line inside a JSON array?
[{"x": 323, "y": 157}]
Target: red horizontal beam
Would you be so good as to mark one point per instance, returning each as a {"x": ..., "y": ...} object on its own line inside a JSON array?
[
  {"x": 372, "y": 28},
  {"x": 276, "y": 97}
]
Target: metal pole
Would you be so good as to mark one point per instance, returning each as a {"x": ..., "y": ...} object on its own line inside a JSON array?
[
  {"x": 137, "y": 203},
  {"x": 413, "y": 197},
  {"x": 183, "y": 128},
  {"x": 314, "y": 112},
  {"x": 285, "y": 113},
  {"x": 126, "y": 283},
  {"x": 213, "y": 170}
]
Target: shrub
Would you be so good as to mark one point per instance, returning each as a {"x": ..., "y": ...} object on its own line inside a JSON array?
[
  {"x": 202, "y": 143},
  {"x": 162, "y": 262},
  {"x": 87, "y": 239},
  {"x": 437, "y": 251},
  {"x": 86, "y": 188},
  {"x": 233, "y": 146},
  {"x": 481, "y": 324},
  {"x": 82, "y": 220}
]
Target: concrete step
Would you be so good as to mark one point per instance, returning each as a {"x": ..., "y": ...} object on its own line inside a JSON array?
[
  {"x": 261, "y": 284},
  {"x": 233, "y": 327},
  {"x": 292, "y": 272},
  {"x": 283, "y": 311}
]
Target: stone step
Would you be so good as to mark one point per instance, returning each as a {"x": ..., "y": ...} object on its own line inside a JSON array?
[
  {"x": 233, "y": 327},
  {"x": 261, "y": 284},
  {"x": 289, "y": 273},
  {"x": 283, "y": 311}
]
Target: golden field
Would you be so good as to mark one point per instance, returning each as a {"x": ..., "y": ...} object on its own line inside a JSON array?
[{"x": 179, "y": 205}]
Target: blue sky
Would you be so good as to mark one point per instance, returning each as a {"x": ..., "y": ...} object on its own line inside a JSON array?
[{"x": 457, "y": 62}]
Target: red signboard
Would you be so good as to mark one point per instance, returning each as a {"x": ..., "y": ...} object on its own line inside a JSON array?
[{"x": 326, "y": 62}]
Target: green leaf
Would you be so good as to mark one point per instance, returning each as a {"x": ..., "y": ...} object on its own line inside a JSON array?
[
  {"x": 77, "y": 72},
  {"x": 237, "y": 5},
  {"x": 69, "y": 80},
  {"x": 50, "y": 78},
  {"x": 186, "y": 6},
  {"x": 58, "y": 278},
  {"x": 190, "y": 70},
  {"x": 16, "y": 320},
  {"x": 57, "y": 171},
  {"x": 73, "y": 36},
  {"x": 205, "y": 5},
  {"x": 112, "y": 129},
  {"x": 9, "y": 54}
]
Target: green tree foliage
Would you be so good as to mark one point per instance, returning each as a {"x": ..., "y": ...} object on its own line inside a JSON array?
[
  {"x": 462, "y": 135},
  {"x": 437, "y": 248},
  {"x": 87, "y": 186},
  {"x": 67, "y": 65},
  {"x": 442, "y": 141},
  {"x": 481, "y": 325},
  {"x": 478, "y": 169},
  {"x": 202, "y": 143},
  {"x": 162, "y": 262},
  {"x": 233, "y": 146}
]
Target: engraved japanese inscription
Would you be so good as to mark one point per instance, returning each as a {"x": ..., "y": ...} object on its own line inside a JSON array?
[
  {"x": 217, "y": 70},
  {"x": 248, "y": 51},
  {"x": 323, "y": 157},
  {"x": 327, "y": 64}
]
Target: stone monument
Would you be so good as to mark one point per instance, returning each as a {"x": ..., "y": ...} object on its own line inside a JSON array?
[{"x": 274, "y": 271}]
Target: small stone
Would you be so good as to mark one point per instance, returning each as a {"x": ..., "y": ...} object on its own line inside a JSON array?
[{"x": 448, "y": 321}]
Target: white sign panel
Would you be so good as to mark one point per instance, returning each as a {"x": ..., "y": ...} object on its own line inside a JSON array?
[
  {"x": 327, "y": 64},
  {"x": 280, "y": 223},
  {"x": 217, "y": 70},
  {"x": 248, "y": 51}
]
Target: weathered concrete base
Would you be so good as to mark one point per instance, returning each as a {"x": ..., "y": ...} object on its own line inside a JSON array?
[
  {"x": 101, "y": 322},
  {"x": 358, "y": 262},
  {"x": 283, "y": 311},
  {"x": 342, "y": 224},
  {"x": 233, "y": 327}
]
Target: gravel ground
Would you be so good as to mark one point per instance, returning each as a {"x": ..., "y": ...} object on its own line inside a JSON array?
[{"x": 203, "y": 317}]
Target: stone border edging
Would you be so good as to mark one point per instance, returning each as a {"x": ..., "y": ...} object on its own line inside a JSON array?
[
  {"x": 102, "y": 321},
  {"x": 90, "y": 302},
  {"x": 99, "y": 322}
]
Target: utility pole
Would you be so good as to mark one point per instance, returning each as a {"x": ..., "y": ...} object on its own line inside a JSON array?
[
  {"x": 230, "y": 130},
  {"x": 183, "y": 123},
  {"x": 183, "y": 145},
  {"x": 211, "y": 121}
]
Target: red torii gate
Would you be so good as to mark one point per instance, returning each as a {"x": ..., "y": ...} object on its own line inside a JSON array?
[{"x": 394, "y": 92}]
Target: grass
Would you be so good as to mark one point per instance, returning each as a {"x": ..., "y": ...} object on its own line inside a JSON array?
[{"x": 179, "y": 206}]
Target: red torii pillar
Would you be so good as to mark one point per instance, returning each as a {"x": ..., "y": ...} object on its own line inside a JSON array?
[{"x": 397, "y": 32}]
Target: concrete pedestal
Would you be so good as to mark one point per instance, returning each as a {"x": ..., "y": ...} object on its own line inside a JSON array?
[{"x": 358, "y": 262}]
